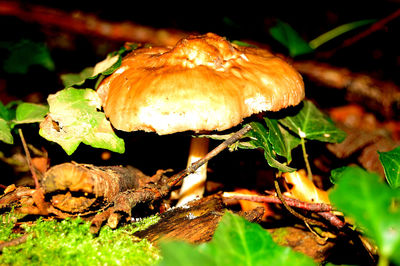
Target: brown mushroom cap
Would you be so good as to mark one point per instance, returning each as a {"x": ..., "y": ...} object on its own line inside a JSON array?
[{"x": 202, "y": 83}]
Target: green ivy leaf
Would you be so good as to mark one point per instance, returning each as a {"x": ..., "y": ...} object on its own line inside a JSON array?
[
  {"x": 373, "y": 205},
  {"x": 391, "y": 164},
  {"x": 336, "y": 174},
  {"x": 76, "y": 79},
  {"x": 176, "y": 253},
  {"x": 259, "y": 136},
  {"x": 26, "y": 53},
  {"x": 18, "y": 112},
  {"x": 7, "y": 112},
  {"x": 30, "y": 113},
  {"x": 101, "y": 69},
  {"x": 75, "y": 117},
  {"x": 287, "y": 36},
  {"x": 236, "y": 242},
  {"x": 274, "y": 140},
  {"x": 282, "y": 141},
  {"x": 105, "y": 67},
  {"x": 310, "y": 123},
  {"x": 5, "y": 132},
  {"x": 243, "y": 44}
]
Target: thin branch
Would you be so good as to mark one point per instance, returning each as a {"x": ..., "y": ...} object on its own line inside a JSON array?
[
  {"x": 29, "y": 159},
  {"x": 292, "y": 211},
  {"x": 322, "y": 209},
  {"x": 332, "y": 219},
  {"x": 314, "y": 207}
]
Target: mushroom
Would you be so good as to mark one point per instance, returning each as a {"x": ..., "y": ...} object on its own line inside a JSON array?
[{"x": 203, "y": 83}]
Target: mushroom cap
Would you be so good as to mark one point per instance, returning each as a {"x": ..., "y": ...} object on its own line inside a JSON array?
[{"x": 203, "y": 83}]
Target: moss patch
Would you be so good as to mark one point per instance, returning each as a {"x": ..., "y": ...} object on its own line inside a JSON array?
[
  {"x": 70, "y": 242},
  {"x": 279, "y": 236}
]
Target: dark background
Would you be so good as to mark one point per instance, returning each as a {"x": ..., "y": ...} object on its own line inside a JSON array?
[{"x": 377, "y": 54}]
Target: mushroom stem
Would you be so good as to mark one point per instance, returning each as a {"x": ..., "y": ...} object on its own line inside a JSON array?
[{"x": 194, "y": 184}]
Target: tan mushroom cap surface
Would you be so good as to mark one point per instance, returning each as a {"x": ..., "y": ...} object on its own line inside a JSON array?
[{"x": 203, "y": 83}]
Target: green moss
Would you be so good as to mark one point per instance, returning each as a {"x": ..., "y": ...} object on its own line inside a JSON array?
[
  {"x": 6, "y": 225},
  {"x": 70, "y": 242},
  {"x": 279, "y": 236}
]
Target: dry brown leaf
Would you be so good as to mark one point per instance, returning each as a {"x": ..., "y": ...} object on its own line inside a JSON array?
[
  {"x": 247, "y": 205},
  {"x": 303, "y": 189}
]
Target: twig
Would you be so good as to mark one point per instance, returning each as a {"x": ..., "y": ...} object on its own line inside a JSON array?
[
  {"x": 332, "y": 219},
  {"x": 322, "y": 209},
  {"x": 293, "y": 212},
  {"x": 314, "y": 207},
  {"x": 29, "y": 159}
]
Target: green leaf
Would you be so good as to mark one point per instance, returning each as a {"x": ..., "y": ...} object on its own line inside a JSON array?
[
  {"x": 27, "y": 53},
  {"x": 310, "y": 123},
  {"x": 282, "y": 141},
  {"x": 72, "y": 79},
  {"x": 236, "y": 242},
  {"x": 177, "y": 253},
  {"x": 105, "y": 67},
  {"x": 391, "y": 164},
  {"x": 6, "y": 111},
  {"x": 287, "y": 36},
  {"x": 101, "y": 69},
  {"x": 5, "y": 132},
  {"x": 260, "y": 139},
  {"x": 329, "y": 35},
  {"x": 74, "y": 118},
  {"x": 18, "y": 112},
  {"x": 243, "y": 44},
  {"x": 30, "y": 113},
  {"x": 373, "y": 205},
  {"x": 336, "y": 174}
]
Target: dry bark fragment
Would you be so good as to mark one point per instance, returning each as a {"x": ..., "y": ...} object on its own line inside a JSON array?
[
  {"x": 75, "y": 187},
  {"x": 15, "y": 195},
  {"x": 104, "y": 181},
  {"x": 194, "y": 223},
  {"x": 302, "y": 241}
]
